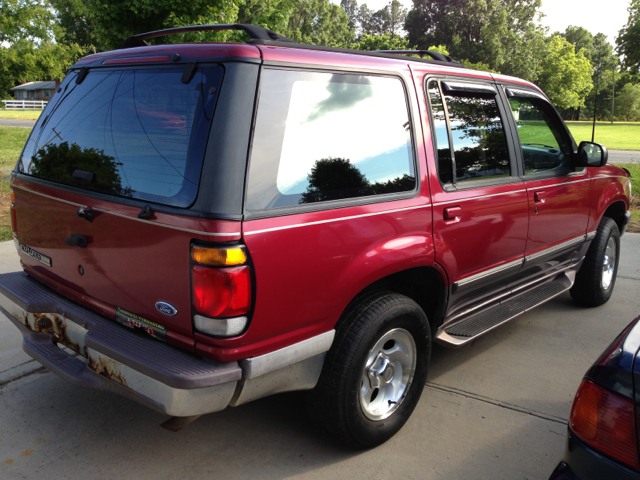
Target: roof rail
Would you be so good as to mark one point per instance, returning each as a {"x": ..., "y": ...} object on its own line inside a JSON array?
[
  {"x": 435, "y": 55},
  {"x": 263, "y": 36},
  {"x": 257, "y": 34}
]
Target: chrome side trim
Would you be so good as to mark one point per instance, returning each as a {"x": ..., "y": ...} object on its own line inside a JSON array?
[
  {"x": 478, "y": 198},
  {"x": 298, "y": 352},
  {"x": 196, "y": 232},
  {"x": 546, "y": 251},
  {"x": 491, "y": 271},
  {"x": 319, "y": 222},
  {"x": 591, "y": 235}
]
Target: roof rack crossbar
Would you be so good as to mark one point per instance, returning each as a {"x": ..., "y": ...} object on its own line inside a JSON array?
[
  {"x": 435, "y": 55},
  {"x": 256, "y": 33}
]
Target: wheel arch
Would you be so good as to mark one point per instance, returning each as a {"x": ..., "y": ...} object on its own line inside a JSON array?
[
  {"x": 615, "y": 211},
  {"x": 425, "y": 285}
]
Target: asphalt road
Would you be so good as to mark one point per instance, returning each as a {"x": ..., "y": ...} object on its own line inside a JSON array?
[
  {"x": 495, "y": 409},
  {"x": 16, "y": 122}
]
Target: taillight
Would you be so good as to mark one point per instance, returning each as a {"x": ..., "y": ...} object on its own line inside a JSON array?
[
  {"x": 14, "y": 219},
  {"x": 221, "y": 292},
  {"x": 605, "y": 421},
  {"x": 222, "y": 289}
]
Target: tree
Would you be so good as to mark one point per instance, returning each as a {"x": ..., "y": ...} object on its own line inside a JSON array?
[
  {"x": 628, "y": 41},
  {"x": 113, "y": 21},
  {"x": 628, "y": 103},
  {"x": 502, "y": 34},
  {"x": 76, "y": 25},
  {"x": 318, "y": 22},
  {"x": 565, "y": 75},
  {"x": 381, "y": 42},
  {"x": 28, "y": 50},
  {"x": 271, "y": 14},
  {"x": 350, "y": 7},
  {"x": 580, "y": 38},
  {"x": 600, "y": 53}
]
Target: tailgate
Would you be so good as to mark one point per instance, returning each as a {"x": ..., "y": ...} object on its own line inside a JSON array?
[{"x": 125, "y": 143}]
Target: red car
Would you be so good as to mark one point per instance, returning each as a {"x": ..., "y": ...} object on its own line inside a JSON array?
[{"x": 322, "y": 217}]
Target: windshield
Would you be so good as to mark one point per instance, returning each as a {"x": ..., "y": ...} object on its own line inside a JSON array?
[{"x": 138, "y": 133}]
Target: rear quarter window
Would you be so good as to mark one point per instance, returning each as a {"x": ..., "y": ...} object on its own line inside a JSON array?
[
  {"x": 135, "y": 132},
  {"x": 323, "y": 136}
]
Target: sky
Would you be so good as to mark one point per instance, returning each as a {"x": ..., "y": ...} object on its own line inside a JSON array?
[{"x": 559, "y": 14}]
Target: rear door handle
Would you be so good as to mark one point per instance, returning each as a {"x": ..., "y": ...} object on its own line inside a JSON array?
[
  {"x": 539, "y": 196},
  {"x": 453, "y": 213}
]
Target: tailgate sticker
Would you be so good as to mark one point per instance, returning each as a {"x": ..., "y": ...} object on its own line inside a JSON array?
[
  {"x": 134, "y": 321},
  {"x": 37, "y": 255}
]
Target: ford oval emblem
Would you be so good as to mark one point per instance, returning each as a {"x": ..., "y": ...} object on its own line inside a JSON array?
[{"x": 166, "y": 309}]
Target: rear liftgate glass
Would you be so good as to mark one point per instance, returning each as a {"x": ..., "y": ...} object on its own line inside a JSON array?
[{"x": 137, "y": 132}]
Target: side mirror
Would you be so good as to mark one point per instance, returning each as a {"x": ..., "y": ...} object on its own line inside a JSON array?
[{"x": 591, "y": 155}]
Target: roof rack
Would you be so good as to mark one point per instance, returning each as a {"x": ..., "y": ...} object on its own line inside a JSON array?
[
  {"x": 257, "y": 34},
  {"x": 263, "y": 36},
  {"x": 435, "y": 55}
]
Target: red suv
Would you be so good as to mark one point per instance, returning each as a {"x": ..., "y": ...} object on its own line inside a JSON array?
[{"x": 202, "y": 225}]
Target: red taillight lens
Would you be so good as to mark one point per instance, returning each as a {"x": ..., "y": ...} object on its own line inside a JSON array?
[
  {"x": 221, "y": 292},
  {"x": 605, "y": 421},
  {"x": 14, "y": 219}
]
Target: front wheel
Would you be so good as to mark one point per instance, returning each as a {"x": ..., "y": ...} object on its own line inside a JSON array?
[
  {"x": 375, "y": 372},
  {"x": 597, "y": 276}
]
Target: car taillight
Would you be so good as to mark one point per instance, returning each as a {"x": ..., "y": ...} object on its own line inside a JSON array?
[
  {"x": 605, "y": 421},
  {"x": 14, "y": 219},
  {"x": 222, "y": 293}
]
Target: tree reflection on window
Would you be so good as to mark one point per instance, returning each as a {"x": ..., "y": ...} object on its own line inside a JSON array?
[
  {"x": 479, "y": 142},
  {"x": 336, "y": 178},
  {"x": 59, "y": 162}
]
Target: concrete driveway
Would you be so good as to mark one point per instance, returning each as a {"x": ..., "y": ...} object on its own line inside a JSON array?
[{"x": 496, "y": 409}]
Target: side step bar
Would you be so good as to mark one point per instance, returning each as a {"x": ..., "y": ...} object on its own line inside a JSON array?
[{"x": 459, "y": 332}]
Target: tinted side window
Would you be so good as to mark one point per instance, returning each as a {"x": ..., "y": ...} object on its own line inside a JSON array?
[
  {"x": 445, "y": 166},
  {"x": 322, "y": 136},
  {"x": 479, "y": 141},
  {"x": 545, "y": 147}
]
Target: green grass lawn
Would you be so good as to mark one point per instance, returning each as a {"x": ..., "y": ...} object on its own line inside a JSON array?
[
  {"x": 12, "y": 139},
  {"x": 21, "y": 114},
  {"x": 619, "y": 136}
]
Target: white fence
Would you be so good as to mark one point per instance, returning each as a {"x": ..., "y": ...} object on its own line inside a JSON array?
[{"x": 25, "y": 104}]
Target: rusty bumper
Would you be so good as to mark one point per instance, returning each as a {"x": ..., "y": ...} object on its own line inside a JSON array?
[{"x": 109, "y": 357}]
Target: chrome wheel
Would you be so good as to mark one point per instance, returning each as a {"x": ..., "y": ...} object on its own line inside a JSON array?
[
  {"x": 387, "y": 374},
  {"x": 609, "y": 263}
]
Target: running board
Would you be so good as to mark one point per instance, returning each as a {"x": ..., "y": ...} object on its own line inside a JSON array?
[{"x": 459, "y": 332}]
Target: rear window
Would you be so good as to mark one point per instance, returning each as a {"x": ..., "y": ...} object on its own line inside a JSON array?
[
  {"x": 325, "y": 136},
  {"x": 138, "y": 133}
]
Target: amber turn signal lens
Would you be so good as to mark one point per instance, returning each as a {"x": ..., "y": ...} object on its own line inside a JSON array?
[
  {"x": 218, "y": 257},
  {"x": 13, "y": 197}
]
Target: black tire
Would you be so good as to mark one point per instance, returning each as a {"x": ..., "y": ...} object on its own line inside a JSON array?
[
  {"x": 335, "y": 403},
  {"x": 588, "y": 289}
]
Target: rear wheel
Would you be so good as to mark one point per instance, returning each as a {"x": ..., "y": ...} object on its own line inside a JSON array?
[
  {"x": 375, "y": 372},
  {"x": 597, "y": 276}
]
